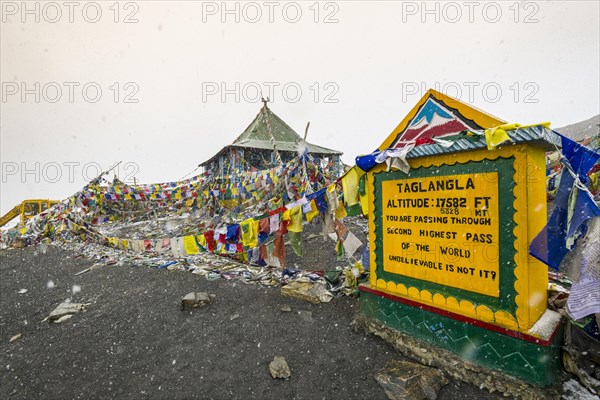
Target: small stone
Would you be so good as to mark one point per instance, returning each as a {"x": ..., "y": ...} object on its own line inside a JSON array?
[
  {"x": 286, "y": 308},
  {"x": 194, "y": 300},
  {"x": 279, "y": 368},
  {"x": 234, "y": 316}
]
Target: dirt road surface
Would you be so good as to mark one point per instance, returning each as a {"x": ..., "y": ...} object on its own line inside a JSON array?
[{"x": 134, "y": 342}]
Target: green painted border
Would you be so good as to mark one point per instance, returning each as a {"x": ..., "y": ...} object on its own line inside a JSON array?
[
  {"x": 506, "y": 171},
  {"x": 534, "y": 363}
]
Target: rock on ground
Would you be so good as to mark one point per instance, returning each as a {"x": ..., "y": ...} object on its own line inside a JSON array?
[
  {"x": 279, "y": 368},
  {"x": 194, "y": 300},
  {"x": 405, "y": 380},
  {"x": 312, "y": 292}
]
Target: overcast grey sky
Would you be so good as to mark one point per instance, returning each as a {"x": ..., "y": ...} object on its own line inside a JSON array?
[{"x": 162, "y": 86}]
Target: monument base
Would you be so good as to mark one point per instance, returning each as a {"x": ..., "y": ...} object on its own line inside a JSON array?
[{"x": 481, "y": 353}]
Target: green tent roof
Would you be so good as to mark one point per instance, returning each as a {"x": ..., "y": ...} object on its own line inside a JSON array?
[{"x": 256, "y": 136}]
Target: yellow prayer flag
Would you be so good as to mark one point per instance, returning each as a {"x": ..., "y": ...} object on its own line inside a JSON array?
[
  {"x": 295, "y": 219},
  {"x": 340, "y": 211},
  {"x": 350, "y": 187},
  {"x": 314, "y": 211},
  {"x": 364, "y": 204},
  {"x": 497, "y": 135},
  {"x": 191, "y": 247},
  {"x": 202, "y": 240},
  {"x": 250, "y": 233}
]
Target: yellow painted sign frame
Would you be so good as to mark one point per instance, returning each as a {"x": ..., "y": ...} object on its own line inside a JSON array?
[{"x": 530, "y": 275}]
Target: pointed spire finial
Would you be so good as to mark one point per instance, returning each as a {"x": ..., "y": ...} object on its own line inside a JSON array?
[{"x": 265, "y": 101}]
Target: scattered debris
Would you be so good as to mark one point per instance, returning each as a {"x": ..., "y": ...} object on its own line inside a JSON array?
[
  {"x": 66, "y": 308},
  {"x": 286, "y": 308},
  {"x": 581, "y": 355},
  {"x": 93, "y": 267},
  {"x": 195, "y": 299},
  {"x": 15, "y": 337},
  {"x": 83, "y": 271},
  {"x": 313, "y": 292},
  {"x": 279, "y": 368},
  {"x": 410, "y": 381},
  {"x": 573, "y": 390},
  {"x": 63, "y": 318}
]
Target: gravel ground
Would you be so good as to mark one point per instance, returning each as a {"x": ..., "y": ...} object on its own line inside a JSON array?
[{"x": 134, "y": 342}]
